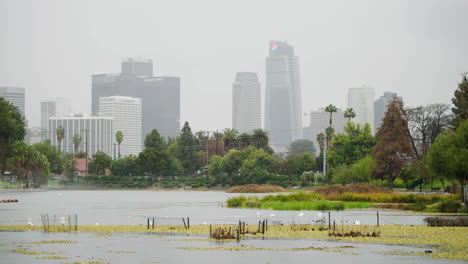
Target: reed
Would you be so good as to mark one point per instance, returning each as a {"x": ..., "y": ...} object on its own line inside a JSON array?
[{"x": 256, "y": 188}]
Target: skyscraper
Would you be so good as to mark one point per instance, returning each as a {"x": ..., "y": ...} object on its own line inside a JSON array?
[
  {"x": 320, "y": 120},
  {"x": 14, "y": 95},
  {"x": 380, "y": 107},
  {"x": 48, "y": 109},
  {"x": 361, "y": 99},
  {"x": 126, "y": 112},
  {"x": 246, "y": 112},
  {"x": 160, "y": 96},
  {"x": 283, "y": 118}
]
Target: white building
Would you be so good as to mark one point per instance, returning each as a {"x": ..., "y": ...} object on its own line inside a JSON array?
[
  {"x": 14, "y": 95},
  {"x": 127, "y": 115},
  {"x": 53, "y": 107},
  {"x": 361, "y": 99},
  {"x": 95, "y": 131},
  {"x": 283, "y": 108},
  {"x": 320, "y": 120},
  {"x": 246, "y": 112}
]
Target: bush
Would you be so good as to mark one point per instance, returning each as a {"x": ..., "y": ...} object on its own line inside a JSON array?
[
  {"x": 255, "y": 188},
  {"x": 236, "y": 202},
  {"x": 416, "y": 207},
  {"x": 449, "y": 206},
  {"x": 252, "y": 202}
]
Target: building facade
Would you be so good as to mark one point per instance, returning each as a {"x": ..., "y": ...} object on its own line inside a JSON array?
[
  {"x": 96, "y": 133},
  {"x": 380, "y": 107},
  {"x": 126, "y": 112},
  {"x": 160, "y": 96},
  {"x": 14, "y": 95},
  {"x": 48, "y": 110},
  {"x": 246, "y": 102},
  {"x": 319, "y": 121},
  {"x": 283, "y": 108},
  {"x": 361, "y": 99}
]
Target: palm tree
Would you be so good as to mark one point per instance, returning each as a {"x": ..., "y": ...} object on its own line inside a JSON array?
[
  {"x": 260, "y": 138},
  {"x": 321, "y": 140},
  {"x": 329, "y": 134},
  {"x": 119, "y": 138},
  {"x": 331, "y": 109},
  {"x": 60, "y": 136},
  {"x": 244, "y": 140},
  {"x": 76, "y": 142},
  {"x": 349, "y": 113},
  {"x": 229, "y": 138}
]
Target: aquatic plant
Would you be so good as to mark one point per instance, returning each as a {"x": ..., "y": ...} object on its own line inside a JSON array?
[{"x": 256, "y": 188}]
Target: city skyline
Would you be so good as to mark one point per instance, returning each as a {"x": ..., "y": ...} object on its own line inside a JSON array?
[{"x": 412, "y": 48}]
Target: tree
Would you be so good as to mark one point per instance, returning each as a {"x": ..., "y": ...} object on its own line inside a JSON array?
[
  {"x": 448, "y": 156},
  {"x": 60, "y": 136},
  {"x": 119, "y": 138},
  {"x": 159, "y": 163},
  {"x": 76, "y": 142},
  {"x": 186, "y": 149},
  {"x": 155, "y": 140},
  {"x": 127, "y": 166},
  {"x": 329, "y": 131},
  {"x": 460, "y": 101},
  {"x": 361, "y": 171},
  {"x": 341, "y": 174},
  {"x": 330, "y": 109},
  {"x": 12, "y": 128},
  {"x": 302, "y": 146},
  {"x": 393, "y": 150},
  {"x": 56, "y": 159},
  {"x": 425, "y": 123},
  {"x": 244, "y": 140},
  {"x": 229, "y": 138},
  {"x": 321, "y": 141},
  {"x": 29, "y": 165},
  {"x": 349, "y": 113},
  {"x": 352, "y": 146},
  {"x": 100, "y": 162},
  {"x": 260, "y": 138},
  {"x": 296, "y": 164}
]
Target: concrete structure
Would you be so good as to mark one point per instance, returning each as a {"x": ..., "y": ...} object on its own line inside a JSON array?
[
  {"x": 361, "y": 99},
  {"x": 96, "y": 133},
  {"x": 380, "y": 107},
  {"x": 319, "y": 121},
  {"x": 160, "y": 95},
  {"x": 14, "y": 95},
  {"x": 246, "y": 102},
  {"x": 283, "y": 110},
  {"x": 126, "y": 112}
]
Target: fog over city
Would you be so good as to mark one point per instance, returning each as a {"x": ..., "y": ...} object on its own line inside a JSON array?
[{"x": 417, "y": 49}]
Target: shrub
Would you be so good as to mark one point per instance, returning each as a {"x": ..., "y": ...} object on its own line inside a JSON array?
[
  {"x": 252, "y": 202},
  {"x": 236, "y": 202},
  {"x": 416, "y": 207},
  {"x": 449, "y": 206}
]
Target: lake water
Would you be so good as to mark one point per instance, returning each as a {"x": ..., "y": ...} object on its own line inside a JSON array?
[{"x": 134, "y": 207}]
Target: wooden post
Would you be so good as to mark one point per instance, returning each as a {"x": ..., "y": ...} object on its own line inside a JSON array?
[
  {"x": 329, "y": 221},
  {"x": 153, "y": 222},
  {"x": 263, "y": 227},
  {"x": 266, "y": 224},
  {"x": 147, "y": 223},
  {"x": 210, "y": 232},
  {"x": 334, "y": 225},
  {"x": 243, "y": 228},
  {"x": 76, "y": 222},
  {"x": 259, "y": 223},
  {"x": 188, "y": 222},
  {"x": 378, "y": 219},
  {"x": 183, "y": 220},
  {"x": 238, "y": 235},
  {"x": 240, "y": 226}
]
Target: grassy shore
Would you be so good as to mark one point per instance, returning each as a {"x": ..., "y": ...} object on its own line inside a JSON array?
[{"x": 446, "y": 242}]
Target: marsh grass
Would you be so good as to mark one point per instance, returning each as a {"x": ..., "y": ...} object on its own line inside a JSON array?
[
  {"x": 256, "y": 188},
  {"x": 314, "y": 205}
]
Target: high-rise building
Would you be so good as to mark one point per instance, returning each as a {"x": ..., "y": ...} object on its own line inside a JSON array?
[
  {"x": 246, "y": 112},
  {"x": 160, "y": 96},
  {"x": 48, "y": 110},
  {"x": 380, "y": 107},
  {"x": 361, "y": 99},
  {"x": 126, "y": 112},
  {"x": 283, "y": 117},
  {"x": 320, "y": 120},
  {"x": 96, "y": 133},
  {"x": 14, "y": 95}
]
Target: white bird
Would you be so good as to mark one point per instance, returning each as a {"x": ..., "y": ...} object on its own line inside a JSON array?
[
  {"x": 204, "y": 222},
  {"x": 97, "y": 223},
  {"x": 30, "y": 223},
  {"x": 272, "y": 215},
  {"x": 301, "y": 214}
]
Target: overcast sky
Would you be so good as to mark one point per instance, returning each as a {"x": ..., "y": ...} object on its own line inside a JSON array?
[{"x": 415, "y": 48}]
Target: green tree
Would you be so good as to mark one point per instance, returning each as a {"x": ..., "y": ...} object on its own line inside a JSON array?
[
  {"x": 186, "y": 149},
  {"x": 321, "y": 141},
  {"x": 12, "y": 128},
  {"x": 155, "y": 140},
  {"x": 361, "y": 171},
  {"x": 127, "y": 166},
  {"x": 159, "y": 163},
  {"x": 29, "y": 165},
  {"x": 56, "y": 159},
  {"x": 230, "y": 138},
  {"x": 307, "y": 178},
  {"x": 244, "y": 140},
  {"x": 260, "y": 138},
  {"x": 215, "y": 169},
  {"x": 100, "y": 162},
  {"x": 302, "y": 146},
  {"x": 330, "y": 109},
  {"x": 448, "y": 156},
  {"x": 60, "y": 136},
  {"x": 341, "y": 174},
  {"x": 352, "y": 146},
  {"x": 76, "y": 142},
  {"x": 295, "y": 165},
  {"x": 119, "y": 138},
  {"x": 393, "y": 150},
  {"x": 460, "y": 101},
  {"x": 349, "y": 113}
]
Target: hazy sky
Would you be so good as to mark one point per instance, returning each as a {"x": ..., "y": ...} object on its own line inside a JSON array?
[{"x": 415, "y": 48}]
